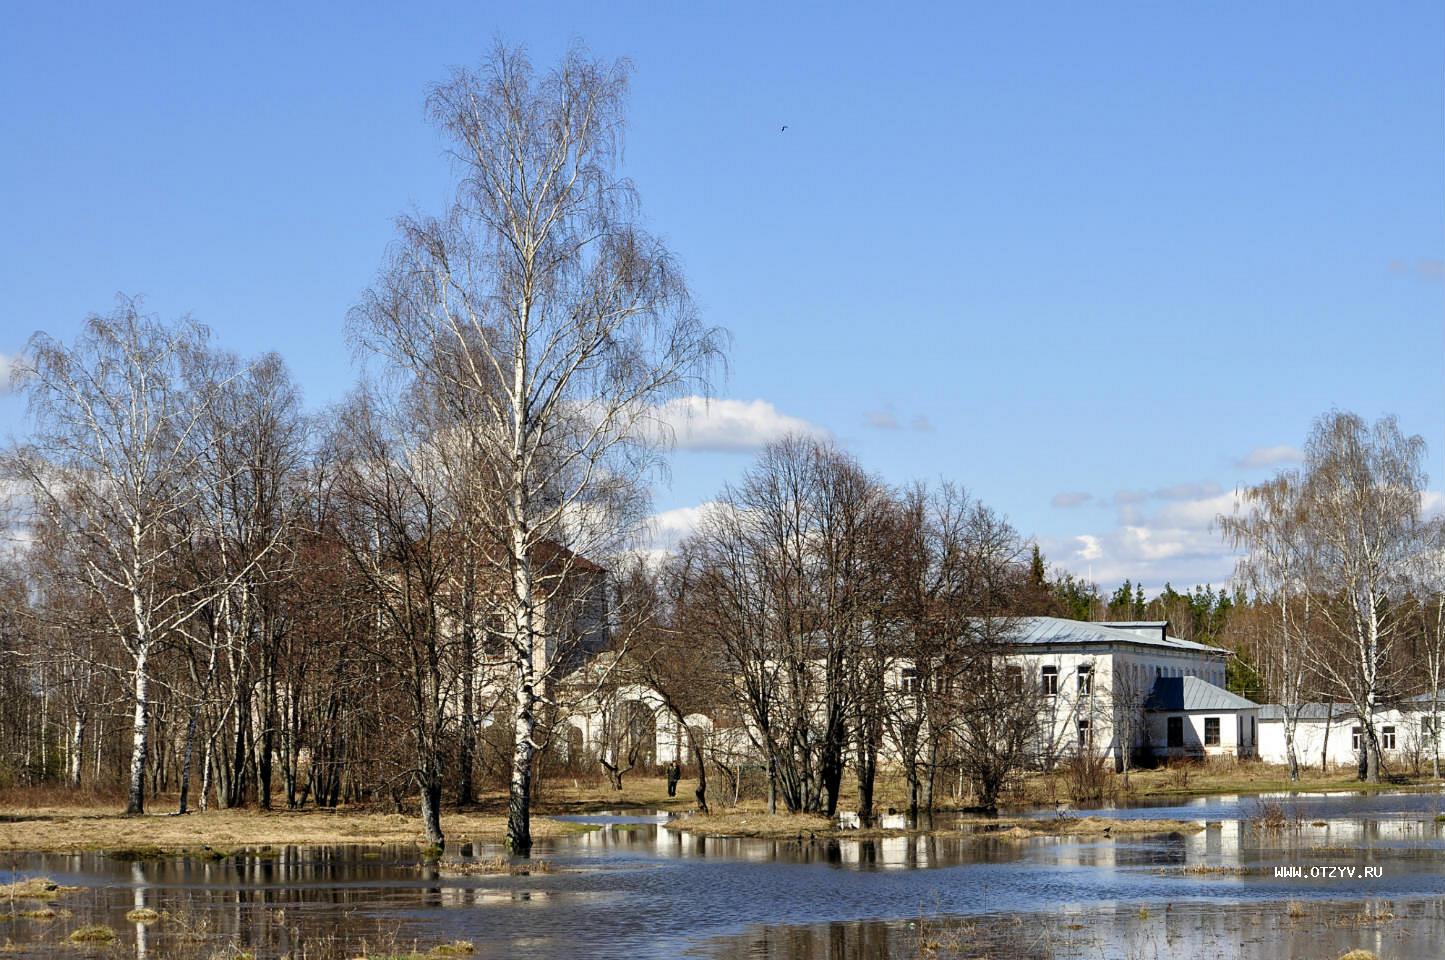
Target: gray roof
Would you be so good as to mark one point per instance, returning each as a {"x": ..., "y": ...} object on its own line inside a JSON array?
[
  {"x": 1159, "y": 625},
  {"x": 1308, "y": 711},
  {"x": 1050, "y": 630},
  {"x": 1192, "y": 693}
]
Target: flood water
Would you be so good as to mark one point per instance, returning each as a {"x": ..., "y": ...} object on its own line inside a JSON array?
[{"x": 1369, "y": 875}]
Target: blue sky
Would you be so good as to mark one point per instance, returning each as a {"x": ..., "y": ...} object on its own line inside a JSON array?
[{"x": 1099, "y": 263}]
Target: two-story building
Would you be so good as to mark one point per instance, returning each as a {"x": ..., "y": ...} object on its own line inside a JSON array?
[{"x": 1130, "y": 686}]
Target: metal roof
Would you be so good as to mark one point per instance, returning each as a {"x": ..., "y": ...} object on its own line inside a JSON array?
[
  {"x": 1192, "y": 693},
  {"x": 1309, "y": 711},
  {"x": 1048, "y": 630}
]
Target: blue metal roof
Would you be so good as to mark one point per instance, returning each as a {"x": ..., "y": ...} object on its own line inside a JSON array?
[
  {"x": 1192, "y": 693},
  {"x": 1056, "y": 630}
]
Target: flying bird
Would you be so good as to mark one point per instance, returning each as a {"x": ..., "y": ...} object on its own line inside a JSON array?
[{"x": 785, "y": 129}]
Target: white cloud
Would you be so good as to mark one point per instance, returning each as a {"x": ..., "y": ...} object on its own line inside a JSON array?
[
  {"x": 669, "y": 528},
  {"x": 697, "y": 423},
  {"x": 1276, "y": 456},
  {"x": 1069, "y": 499},
  {"x": 1173, "y": 541}
]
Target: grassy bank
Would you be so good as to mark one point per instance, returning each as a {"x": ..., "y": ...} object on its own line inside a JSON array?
[
  {"x": 55, "y": 820},
  {"x": 1219, "y": 777},
  {"x": 806, "y": 827},
  {"x": 219, "y": 832}
]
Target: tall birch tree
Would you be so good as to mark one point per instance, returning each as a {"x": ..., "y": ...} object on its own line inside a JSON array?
[
  {"x": 111, "y": 463},
  {"x": 555, "y": 325},
  {"x": 1270, "y": 526},
  {"x": 1362, "y": 488}
]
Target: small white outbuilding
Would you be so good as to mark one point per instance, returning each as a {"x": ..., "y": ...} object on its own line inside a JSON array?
[{"x": 1189, "y": 717}]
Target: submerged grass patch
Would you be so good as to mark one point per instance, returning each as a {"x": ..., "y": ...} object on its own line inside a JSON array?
[
  {"x": 750, "y": 824},
  {"x": 495, "y": 866},
  {"x": 95, "y": 933},
  {"x": 43, "y": 913},
  {"x": 34, "y": 888},
  {"x": 810, "y": 827}
]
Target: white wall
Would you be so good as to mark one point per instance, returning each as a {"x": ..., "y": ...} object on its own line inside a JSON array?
[
  {"x": 1310, "y": 742},
  {"x": 1124, "y": 676},
  {"x": 1236, "y": 734}
]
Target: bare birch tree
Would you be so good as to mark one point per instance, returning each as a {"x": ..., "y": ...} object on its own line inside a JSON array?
[
  {"x": 1428, "y": 584},
  {"x": 556, "y": 323},
  {"x": 1270, "y": 526},
  {"x": 1362, "y": 487},
  {"x": 110, "y": 460}
]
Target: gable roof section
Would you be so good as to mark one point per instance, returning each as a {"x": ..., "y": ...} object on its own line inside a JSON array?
[
  {"x": 1050, "y": 630},
  {"x": 1192, "y": 693},
  {"x": 1309, "y": 711}
]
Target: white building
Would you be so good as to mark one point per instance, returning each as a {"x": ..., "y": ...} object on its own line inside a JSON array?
[
  {"x": 1129, "y": 685},
  {"x": 1111, "y": 686},
  {"x": 1330, "y": 733},
  {"x": 1187, "y": 717}
]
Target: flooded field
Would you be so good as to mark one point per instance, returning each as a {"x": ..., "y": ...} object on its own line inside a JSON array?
[{"x": 1358, "y": 871}]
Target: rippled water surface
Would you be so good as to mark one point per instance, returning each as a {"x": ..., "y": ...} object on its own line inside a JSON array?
[{"x": 632, "y": 889}]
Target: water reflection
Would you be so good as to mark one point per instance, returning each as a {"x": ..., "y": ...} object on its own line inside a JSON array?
[
  {"x": 633, "y": 888},
  {"x": 1265, "y": 932}
]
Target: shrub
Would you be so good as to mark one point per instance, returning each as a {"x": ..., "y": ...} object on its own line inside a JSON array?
[{"x": 1088, "y": 778}]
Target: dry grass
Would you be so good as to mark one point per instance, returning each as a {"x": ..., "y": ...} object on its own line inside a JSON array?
[
  {"x": 1204, "y": 870},
  {"x": 1274, "y": 818},
  {"x": 96, "y": 933},
  {"x": 142, "y": 915},
  {"x": 495, "y": 866},
  {"x": 1359, "y": 955},
  {"x": 35, "y": 888},
  {"x": 746, "y": 823},
  {"x": 1224, "y": 775},
  {"x": 804, "y": 826},
  {"x": 220, "y": 833},
  {"x": 54, "y": 819},
  {"x": 1021, "y": 828}
]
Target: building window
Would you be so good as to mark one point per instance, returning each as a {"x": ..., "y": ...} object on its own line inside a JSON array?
[
  {"x": 1086, "y": 679},
  {"x": 1211, "y": 731},
  {"x": 908, "y": 680},
  {"x": 1086, "y": 734},
  {"x": 1355, "y": 734},
  {"x": 1387, "y": 738},
  {"x": 1176, "y": 731},
  {"x": 1015, "y": 677},
  {"x": 1051, "y": 681}
]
